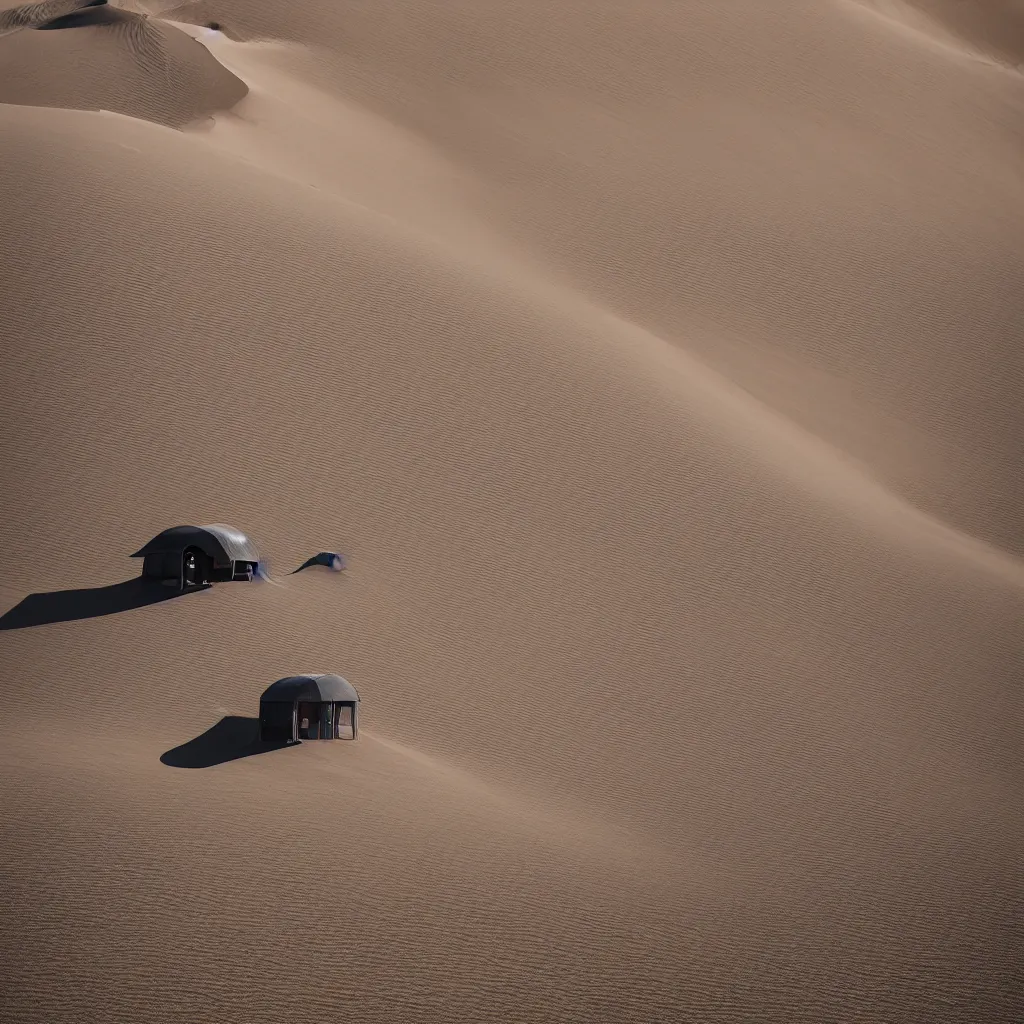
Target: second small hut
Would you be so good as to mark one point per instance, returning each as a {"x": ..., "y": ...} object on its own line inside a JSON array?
[{"x": 309, "y": 707}]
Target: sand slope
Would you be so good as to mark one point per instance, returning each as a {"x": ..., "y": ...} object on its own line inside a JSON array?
[{"x": 655, "y": 371}]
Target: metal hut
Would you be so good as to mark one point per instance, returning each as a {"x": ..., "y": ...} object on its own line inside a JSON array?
[
  {"x": 309, "y": 707},
  {"x": 192, "y": 556}
]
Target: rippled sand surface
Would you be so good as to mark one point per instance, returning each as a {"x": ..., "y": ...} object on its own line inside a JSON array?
[{"x": 656, "y": 367}]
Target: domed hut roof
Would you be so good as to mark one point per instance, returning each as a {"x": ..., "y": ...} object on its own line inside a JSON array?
[
  {"x": 315, "y": 688},
  {"x": 220, "y": 542}
]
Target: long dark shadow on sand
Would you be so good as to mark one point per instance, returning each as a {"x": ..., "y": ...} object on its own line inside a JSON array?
[
  {"x": 88, "y": 603},
  {"x": 231, "y": 738}
]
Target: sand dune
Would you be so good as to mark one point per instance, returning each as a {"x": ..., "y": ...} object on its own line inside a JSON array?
[
  {"x": 738, "y": 199},
  {"x": 93, "y": 56},
  {"x": 656, "y": 370},
  {"x": 13, "y": 19}
]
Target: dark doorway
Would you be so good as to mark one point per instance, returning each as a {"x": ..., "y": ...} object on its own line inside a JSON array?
[
  {"x": 195, "y": 568},
  {"x": 189, "y": 569},
  {"x": 309, "y": 720}
]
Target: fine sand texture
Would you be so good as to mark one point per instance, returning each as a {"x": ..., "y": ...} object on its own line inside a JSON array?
[{"x": 657, "y": 369}]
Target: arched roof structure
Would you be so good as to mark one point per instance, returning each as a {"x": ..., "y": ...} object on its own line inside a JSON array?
[
  {"x": 318, "y": 688},
  {"x": 220, "y": 542}
]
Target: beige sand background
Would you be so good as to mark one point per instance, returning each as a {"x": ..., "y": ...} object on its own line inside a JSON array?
[{"x": 657, "y": 368}]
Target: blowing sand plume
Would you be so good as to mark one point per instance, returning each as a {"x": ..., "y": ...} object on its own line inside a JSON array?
[{"x": 650, "y": 374}]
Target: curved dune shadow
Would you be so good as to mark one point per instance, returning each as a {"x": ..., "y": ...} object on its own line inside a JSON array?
[
  {"x": 93, "y": 14},
  {"x": 41, "y": 14},
  {"x": 88, "y": 603},
  {"x": 231, "y": 738}
]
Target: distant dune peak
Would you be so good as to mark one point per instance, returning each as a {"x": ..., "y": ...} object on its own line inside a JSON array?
[
  {"x": 120, "y": 60},
  {"x": 42, "y": 15},
  {"x": 38, "y": 15},
  {"x": 96, "y": 15}
]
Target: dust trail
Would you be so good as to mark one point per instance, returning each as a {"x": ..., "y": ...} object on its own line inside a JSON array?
[
  {"x": 338, "y": 564},
  {"x": 568, "y": 827},
  {"x": 263, "y": 574}
]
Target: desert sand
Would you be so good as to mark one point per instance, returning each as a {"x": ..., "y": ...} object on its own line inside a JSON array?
[{"x": 657, "y": 368}]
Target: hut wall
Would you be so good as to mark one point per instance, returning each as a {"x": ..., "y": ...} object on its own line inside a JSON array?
[{"x": 162, "y": 565}]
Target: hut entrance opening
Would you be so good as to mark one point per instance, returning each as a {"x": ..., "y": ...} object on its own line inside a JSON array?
[
  {"x": 309, "y": 720},
  {"x": 195, "y": 571},
  {"x": 344, "y": 721},
  {"x": 325, "y": 720}
]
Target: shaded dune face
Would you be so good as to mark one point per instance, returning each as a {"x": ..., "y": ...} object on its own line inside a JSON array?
[
  {"x": 991, "y": 27},
  {"x": 94, "y": 13},
  {"x": 995, "y": 26},
  {"x": 43, "y": 14},
  {"x": 91, "y": 56}
]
